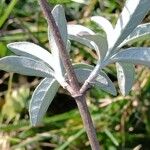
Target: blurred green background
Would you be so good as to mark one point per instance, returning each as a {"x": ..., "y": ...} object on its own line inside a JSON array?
[{"x": 122, "y": 123}]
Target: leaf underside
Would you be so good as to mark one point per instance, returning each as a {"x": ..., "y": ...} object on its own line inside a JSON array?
[
  {"x": 141, "y": 32},
  {"x": 25, "y": 66},
  {"x": 125, "y": 75},
  {"x": 59, "y": 16},
  {"x": 88, "y": 38},
  {"x": 106, "y": 26},
  {"x": 140, "y": 55},
  {"x": 41, "y": 99},
  {"x": 132, "y": 14},
  {"x": 102, "y": 81},
  {"x": 77, "y": 33},
  {"x": 99, "y": 44},
  {"x": 31, "y": 50}
]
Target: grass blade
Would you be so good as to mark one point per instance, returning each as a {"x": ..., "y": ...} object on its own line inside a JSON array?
[{"x": 7, "y": 12}]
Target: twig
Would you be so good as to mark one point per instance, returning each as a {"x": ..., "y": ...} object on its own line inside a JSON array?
[
  {"x": 92, "y": 76},
  {"x": 100, "y": 65},
  {"x": 73, "y": 86}
]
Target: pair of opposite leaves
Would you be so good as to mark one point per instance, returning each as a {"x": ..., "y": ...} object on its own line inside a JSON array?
[{"x": 36, "y": 61}]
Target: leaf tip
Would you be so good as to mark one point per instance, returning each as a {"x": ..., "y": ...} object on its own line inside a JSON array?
[
  {"x": 9, "y": 45},
  {"x": 94, "y": 18}
]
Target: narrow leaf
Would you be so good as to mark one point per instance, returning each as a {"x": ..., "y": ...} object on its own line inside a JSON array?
[
  {"x": 133, "y": 13},
  {"x": 71, "y": 139},
  {"x": 83, "y": 74},
  {"x": 25, "y": 66},
  {"x": 81, "y": 1},
  {"x": 88, "y": 38},
  {"x": 76, "y": 32},
  {"x": 7, "y": 12},
  {"x": 84, "y": 41},
  {"x": 83, "y": 66},
  {"x": 102, "y": 81},
  {"x": 60, "y": 19},
  {"x": 140, "y": 32},
  {"x": 41, "y": 99},
  {"x": 125, "y": 75},
  {"x": 111, "y": 137},
  {"x": 31, "y": 50},
  {"x": 133, "y": 55},
  {"x": 99, "y": 44},
  {"x": 106, "y": 26},
  {"x": 59, "y": 16},
  {"x": 110, "y": 88}
]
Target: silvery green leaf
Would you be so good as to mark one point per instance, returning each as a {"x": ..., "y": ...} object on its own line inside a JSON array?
[
  {"x": 133, "y": 55},
  {"x": 60, "y": 19},
  {"x": 82, "y": 65},
  {"x": 99, "y": 44},
  {"x": 25, "y": 66},
  {"x": 59, "y": 16},
  {"x": 110, "y": 88},
  {"x": 140, "y": 32},
  {"x": 125, "y": 75},
  {"x": 84, "y": 41},
  {"x": 88, "y": 38},
  {"x": 78, "y": 30},
  {"x": 82, "y": 1},
  {"x": 133, "y": 13},
  {"x": 31, "y": 50},
  {"x": 102, "y": 81},
  {"x": 41, "y": 99},
  {"x": 105, "y": 25}
]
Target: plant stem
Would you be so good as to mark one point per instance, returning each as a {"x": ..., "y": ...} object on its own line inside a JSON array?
[
  {"x": 73, "y": 86},
  {"x": 87, "y": 122},
  {"x": 62, "y": 49},
  {"x": 92, "y": 76}
]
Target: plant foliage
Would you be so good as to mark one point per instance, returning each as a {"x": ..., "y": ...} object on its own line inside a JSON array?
[{"x": 35, "y": 61}]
